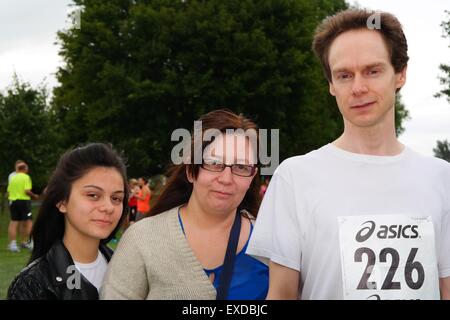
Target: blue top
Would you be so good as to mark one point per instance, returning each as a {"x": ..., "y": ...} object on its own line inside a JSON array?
[{"x": 250, "y": 279}]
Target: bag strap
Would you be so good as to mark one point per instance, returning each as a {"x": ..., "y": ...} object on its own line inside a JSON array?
[{"x": 230, "y": 255}]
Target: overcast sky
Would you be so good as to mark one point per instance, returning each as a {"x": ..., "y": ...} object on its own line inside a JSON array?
[{"x": 28, "y": 35}]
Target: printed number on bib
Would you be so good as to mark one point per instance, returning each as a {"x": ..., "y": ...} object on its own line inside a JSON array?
[
  {"x": 388, "y": 283},
  {"x": 388, "y": 257}
]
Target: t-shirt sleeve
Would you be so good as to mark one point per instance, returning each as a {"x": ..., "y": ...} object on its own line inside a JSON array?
[
  {"x": 28, "y": 184},
  {"x": 277, "y": 234},
  {"x": 444, "y": 256}
]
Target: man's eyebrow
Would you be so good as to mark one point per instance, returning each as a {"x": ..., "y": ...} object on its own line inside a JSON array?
[
  {"x": 343, "y": 69},
  {"x": 374, "y": 65},
  {"x": 369, "y": 66}
]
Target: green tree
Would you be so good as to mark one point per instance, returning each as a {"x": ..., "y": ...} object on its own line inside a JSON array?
[
  {"x": 137, "y": 70},
  {"x": 442, "y": 150},
  {"x": 445, "y": 68},
  {"x": 26, "y": 132},
  {"x": 401, "y": 114}
]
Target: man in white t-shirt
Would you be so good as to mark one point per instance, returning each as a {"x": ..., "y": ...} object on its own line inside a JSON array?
[{"x": 363, "y": 217}]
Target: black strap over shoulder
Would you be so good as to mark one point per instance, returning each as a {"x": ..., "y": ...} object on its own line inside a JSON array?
[{"x": 230, "y": 255}]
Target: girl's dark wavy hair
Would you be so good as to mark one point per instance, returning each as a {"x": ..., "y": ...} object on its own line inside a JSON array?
[
  {"x": 178, "y": 189},
  {"x": 49, "y": 225}
]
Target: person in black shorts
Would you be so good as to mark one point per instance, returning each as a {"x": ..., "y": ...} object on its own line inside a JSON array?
[
  {"x": 20, "y": 195},
  {"x": 20, "y": 210}
]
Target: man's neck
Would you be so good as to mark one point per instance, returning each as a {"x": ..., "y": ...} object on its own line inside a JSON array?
[{"x": 380, "y": 140}]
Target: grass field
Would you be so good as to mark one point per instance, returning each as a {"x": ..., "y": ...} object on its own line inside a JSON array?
[{"x": 10, "y": 263}]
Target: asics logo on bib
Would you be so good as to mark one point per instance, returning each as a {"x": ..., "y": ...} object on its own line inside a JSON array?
[{"x": 386, "y": 231}]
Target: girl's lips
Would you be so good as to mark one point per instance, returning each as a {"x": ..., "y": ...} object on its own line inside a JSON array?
[{"x": 102, "y": 222}]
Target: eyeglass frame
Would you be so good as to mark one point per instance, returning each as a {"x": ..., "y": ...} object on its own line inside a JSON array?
[{"x": 254, "y": 167}]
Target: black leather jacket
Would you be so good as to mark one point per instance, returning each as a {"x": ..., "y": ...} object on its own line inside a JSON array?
[{"x": 47, "y": 278}]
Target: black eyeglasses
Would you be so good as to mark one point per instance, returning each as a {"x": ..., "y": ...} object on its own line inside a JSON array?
[{"x": 242, "y": 170}]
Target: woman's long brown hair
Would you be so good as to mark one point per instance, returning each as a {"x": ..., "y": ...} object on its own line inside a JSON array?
[{"x": 178, "y": 189}]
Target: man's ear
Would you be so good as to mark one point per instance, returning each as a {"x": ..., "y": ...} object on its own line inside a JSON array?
[
  {"x": 62, "y": 206},
  {"x": 189, "y": 175},
  {"x": 401, "y": 78},
  {"x": 331, "y": 88}
]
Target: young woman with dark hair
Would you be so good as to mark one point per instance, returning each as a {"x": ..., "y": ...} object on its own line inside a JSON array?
[
  {"x": 83, "y": 206},
  {"x": 193, "y": 244}
]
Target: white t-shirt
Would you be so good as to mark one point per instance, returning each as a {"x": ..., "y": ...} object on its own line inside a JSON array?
[
  {"x": 299, "y": 224},
  {"x": 12, "y": 174},
  {"x": 94, "y": 271}
]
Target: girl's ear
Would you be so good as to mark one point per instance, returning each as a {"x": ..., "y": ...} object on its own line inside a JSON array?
[{"x": 62, "y": 206}]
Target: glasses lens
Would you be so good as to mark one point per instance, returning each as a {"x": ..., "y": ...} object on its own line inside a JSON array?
[
  {"x": 242, "y": 170},
  {"x": 212, "y": 165}
]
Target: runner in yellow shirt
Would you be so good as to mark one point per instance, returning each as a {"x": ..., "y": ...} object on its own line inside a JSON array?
[{"x": 19, "y": 195}]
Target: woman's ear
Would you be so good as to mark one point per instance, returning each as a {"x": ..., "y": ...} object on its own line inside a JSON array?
[
  {"x": 189, "y": 175},
  {"x": 62, "y": 206}
]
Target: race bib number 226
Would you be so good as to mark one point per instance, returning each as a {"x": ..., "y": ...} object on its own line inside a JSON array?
[{"x": 388, "y": 257}]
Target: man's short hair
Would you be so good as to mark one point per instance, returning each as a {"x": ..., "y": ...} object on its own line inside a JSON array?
[
  {"x": 353, "y": 19},
  {"x": 22, "y": 166},
  {"x": 16, "y": 165}
]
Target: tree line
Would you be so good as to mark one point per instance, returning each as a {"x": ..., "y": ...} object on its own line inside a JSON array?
[{"x": 137, "y": 70}]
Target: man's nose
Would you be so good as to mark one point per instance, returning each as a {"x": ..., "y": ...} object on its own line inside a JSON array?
[{"x": 359, "y": 85}]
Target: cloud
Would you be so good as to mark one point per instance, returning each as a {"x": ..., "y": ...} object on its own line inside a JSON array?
[
  {"x": 30, "y": 21},
  {"x": 430, "y": 117},
  {"x": 34, "y": 68}
]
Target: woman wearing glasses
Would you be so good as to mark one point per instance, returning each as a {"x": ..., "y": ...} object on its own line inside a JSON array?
[{"x": 193, "y": 245}]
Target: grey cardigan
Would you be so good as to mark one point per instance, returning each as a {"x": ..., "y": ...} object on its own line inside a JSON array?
[{"x": 154, "y": 261}]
